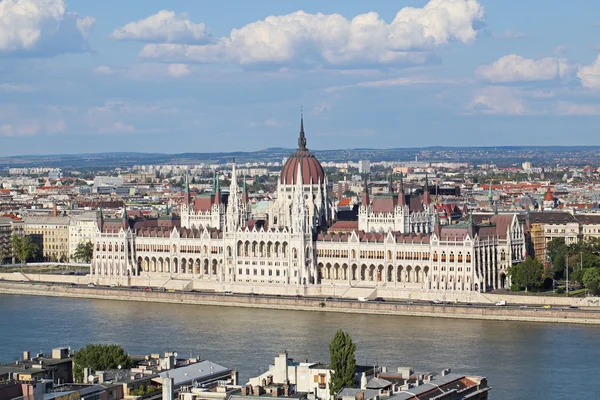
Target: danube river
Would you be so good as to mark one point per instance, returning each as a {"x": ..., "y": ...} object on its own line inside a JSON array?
[{"x": 521, "y": 360}]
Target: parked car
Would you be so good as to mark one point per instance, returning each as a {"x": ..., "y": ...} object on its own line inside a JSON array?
[
  {"x": 501, "y": 303},
  {"x": 133, "y": 287},
  {"x": 148, "y": 289},
  {"x": 90, "y": 284},
  {"x": 547, "y": 306},
  {"x": 379, "y": 299},
  {"x": 228, "y": 292}
]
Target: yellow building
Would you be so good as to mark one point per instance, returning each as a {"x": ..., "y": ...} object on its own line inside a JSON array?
[{"x": 51, "y": 234}]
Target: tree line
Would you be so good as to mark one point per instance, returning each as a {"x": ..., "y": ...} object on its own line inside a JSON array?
[{"x": 582, "y": 258}]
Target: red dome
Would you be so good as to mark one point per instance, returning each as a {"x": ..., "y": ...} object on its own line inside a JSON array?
[
  {"x": 548, "y": 196},
  {"x": 312, "y": 171}
]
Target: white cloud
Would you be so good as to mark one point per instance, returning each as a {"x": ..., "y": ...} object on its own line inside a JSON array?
[
  {"x": 41, "y": 28},
  {"x": 274, "y": 123},
  {"x": 179, "y": 70},
  {"x": 514, "y": 68},
  {"x": 8, "y": 87},
  {"x": 103, "y": 70},
  {"x": 309, "y": 39},
  {"x": 164, "y": 26},
  {"x": 403, "y": 81},
  {"x": 27, "y": 129},
  {"x": 509, "y": 35},
  {"x": 590, "y": 75},
  {"x": 499, "y": 100},
  {"x": 575, "y": 109},
  {"x": 117, "y": 127}
]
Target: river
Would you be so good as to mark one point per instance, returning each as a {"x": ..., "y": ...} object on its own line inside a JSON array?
[{"x": 521, "y": 360}]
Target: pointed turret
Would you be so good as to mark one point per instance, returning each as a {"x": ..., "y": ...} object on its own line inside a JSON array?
[
  {"x": 218, "y": 192},
  {"x": 245, "y": 198},
  {"x": 365, "y": 194},
  {"x": 187, "y": 190},
  {"x": 124, "y": 219},
  {"x": 401, "y": 198},
  {"x": 101, "y": 220},
  {"x": 301, "y": 138},
  {"x": 426, "y": 195}
]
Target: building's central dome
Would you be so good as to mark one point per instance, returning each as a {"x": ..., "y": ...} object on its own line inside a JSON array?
[{"x": 312, "y": 171}]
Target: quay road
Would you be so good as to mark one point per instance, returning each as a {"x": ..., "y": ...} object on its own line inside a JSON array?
[{"x": 338, "y": 302}]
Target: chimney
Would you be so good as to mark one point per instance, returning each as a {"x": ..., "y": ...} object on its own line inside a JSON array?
[
  {"x": 54, "y": 210},
  {"x": 26, "y": 356},
  {"x": 286, "y": 390},
  {"x": 360, "y": 395},
  {"x": 256, "y": 390},
  {"x": 446, "y": 371}
]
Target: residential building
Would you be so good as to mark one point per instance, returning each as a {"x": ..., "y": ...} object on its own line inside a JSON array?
[
  {"x": 51, "y": 234},
  {"x": 82, "y": 229}
]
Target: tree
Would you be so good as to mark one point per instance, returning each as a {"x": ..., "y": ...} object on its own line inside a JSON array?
[
  {"x": 343, "y": 362},
  {"x": 84, "y": 252},
  {"x": 591, "y": 280},
  {"x": 99, "y": 357},
  {"x": 527, "y": 274},
  {"x": 24, "y": 248}
]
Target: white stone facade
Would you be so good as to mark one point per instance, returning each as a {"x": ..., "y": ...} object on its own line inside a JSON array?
[{"x": 404, "y": 249}]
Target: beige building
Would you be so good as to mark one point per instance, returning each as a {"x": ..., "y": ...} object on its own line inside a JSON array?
[
  {"x": 82, "y": 228},
  {"x": 51, "y": 234}
]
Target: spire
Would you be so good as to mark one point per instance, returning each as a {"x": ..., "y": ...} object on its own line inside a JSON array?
[
  {"x": 301, "y": 138},
  {"x": 244, "y": 192},
  {"x": 101, "y": 220},
  {"x": 365, "y": 194},
  {"x": 187, "y": 190},
  {"x": 218, "y": 192},
  {"x": 426, "y": 195},
  {"x": 401, "y": 198},
  {"x": 490, "y": 196},
  {"x": 125, "y": 220}
]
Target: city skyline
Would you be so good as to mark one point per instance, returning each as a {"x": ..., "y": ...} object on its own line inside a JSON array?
[{"x": 80, "y": 77}]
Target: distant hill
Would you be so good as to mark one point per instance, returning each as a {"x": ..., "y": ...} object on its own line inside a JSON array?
[{"x": 501, "y": 155}]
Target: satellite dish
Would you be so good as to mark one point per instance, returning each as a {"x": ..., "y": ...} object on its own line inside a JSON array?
[
  {"x": 175, "y": 354},
  {"x": 91, "y": 379},
  {"x": 119, "y": 367}
]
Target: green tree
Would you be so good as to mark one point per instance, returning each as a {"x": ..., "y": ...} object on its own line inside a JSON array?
[
  {"x": 24, "y": 248},
  {"x": 591, "y": 280},
  {"x": 527, "y": 274},
  {"x": 99, "y": 357},
  {"x": 343, "y": 362},
  {"x": 84, "y": 252}
]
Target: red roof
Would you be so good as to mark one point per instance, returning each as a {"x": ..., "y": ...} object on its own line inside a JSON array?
[
  {"x": 344, "y": 203},
  {"x": 344, "y": 226}
]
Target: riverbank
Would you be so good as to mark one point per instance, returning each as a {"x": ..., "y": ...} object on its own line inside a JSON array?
[{"x": 553, "y": 315}]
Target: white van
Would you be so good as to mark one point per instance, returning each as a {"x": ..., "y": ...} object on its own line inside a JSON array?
[
  {"x": 363, "y": 299},
  {"x": 228, "y": 292}
]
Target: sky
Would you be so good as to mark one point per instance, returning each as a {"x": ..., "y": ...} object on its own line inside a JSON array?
[{"x": 81, "y": 76}]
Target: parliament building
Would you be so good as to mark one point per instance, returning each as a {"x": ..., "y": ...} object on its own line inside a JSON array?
[{"x": 396, "y": 243}]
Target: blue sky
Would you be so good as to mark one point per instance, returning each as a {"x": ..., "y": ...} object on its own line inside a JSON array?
[{"x": 189, "y": 76}]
